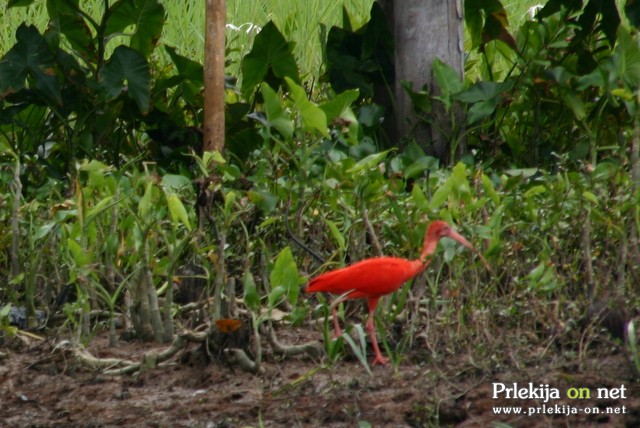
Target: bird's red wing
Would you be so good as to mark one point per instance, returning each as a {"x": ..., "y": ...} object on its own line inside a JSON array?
[{"x": 368, "y": 278}]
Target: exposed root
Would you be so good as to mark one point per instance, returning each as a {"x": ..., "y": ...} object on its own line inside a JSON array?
[
  {"x": 240, "y": 358},
  {"x": 314, "y": 349}
]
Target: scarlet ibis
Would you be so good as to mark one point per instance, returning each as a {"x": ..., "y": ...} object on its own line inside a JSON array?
[{"x": 373, "y": 278}]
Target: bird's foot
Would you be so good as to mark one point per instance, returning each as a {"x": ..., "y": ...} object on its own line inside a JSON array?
[
  {"x": 379, "y": 359},
  {"x": 337, "y": 335}
]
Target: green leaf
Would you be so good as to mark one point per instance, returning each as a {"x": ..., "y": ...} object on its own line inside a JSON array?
[
  {"x": 251, "y": 297},
  {"x": 339, "y": 111},
  {"x": 480, "y": 110},
  {"x": 127, "y": 71},
  {"x": 440, "y": 195},
  {"x": 270, "y": 60},
  {"x": 190, "y": 77},
  {"x": 276, "y": 115},
  {"x": 589, "y": 196},
  {"x": 174, "y": 183},
  {"x": 95, "y": 211},
  {"x": 79, "y": 255},
  {"x": 627, "y": 58},
  {"x": 490, "y": 190},
  {"x": 449, "y": 81},
  {"x": 178, "y": 211},
  {"x": 419, "y": 198},
  {"x": 313, "y": 117},
  {"x": 65, "y": 17},
  {"x": 147, "y": 16},
  {"x": 30, "y": 58},
  {"x": 146, "y": 201},
  {"x": 420, "y": 99},
  {"x": 264, "y": 200},
  {"x": 342, "y": 102},
  {"x": 484, "y": 98},
  {"x": 337, "y": 235},
  {"x": 535, "y": 190},
  {"x": 369, "y": 162},
  {"x": 285, "y": 278}
]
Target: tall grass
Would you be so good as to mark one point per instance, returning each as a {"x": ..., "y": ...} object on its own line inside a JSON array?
[{"x": 299, "y": 21}]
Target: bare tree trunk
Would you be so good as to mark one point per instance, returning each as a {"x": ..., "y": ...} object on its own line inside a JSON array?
[
  {"x": 423, "y": 31},
  {"x": 214, "y": 75}
]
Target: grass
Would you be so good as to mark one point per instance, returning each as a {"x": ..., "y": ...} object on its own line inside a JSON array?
[{"x": 298, "y": 20}]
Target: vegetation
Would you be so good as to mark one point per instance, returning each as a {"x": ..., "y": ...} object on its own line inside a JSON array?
[{"x": 107, "y": 194}]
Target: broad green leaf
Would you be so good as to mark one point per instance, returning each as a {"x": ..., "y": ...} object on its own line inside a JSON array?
[
  {"x": 251, "y": 297},
  {"x": 147, "y": 17},
  {"x": 337, "y": 235},
  {"x": 440, "y": 195},
  {"x": 420, "y": 165},
  {"x": 313, "y": 117},
  {"x": 483, "y": 91},
  {"x": 178, "y": 211},
  {"x": 189, "y": 79},
  {"x": 285, "y": 275},
  {"x": 537, "y": 272},
  {"x": 369, "y": 162},
  {"x": 480, "y": 110},
  {"x": 419, "y": 198},
  {"x": 270, "y": 60},
  {"x": 535, "y": 190},
  {"x": 146, "y": 201},
  {"x": 79, "y": 255},
  {"x": 276, "y": 116},
  {"x": 490, "y": 190},
  {"x": 29, "y": 58},
  {"x": 449, "y": 81},
  {"x": 589, "y": 196},
  {"x": 337, "y": 106},
  {"x": 43, "y": 230},
  {"x": 127, "y": 71},
  {"x": 174, "y": 183},
  {"x": 65, "y": 17},
  {"x": 96, "y": 210},
  {"x": 420, "y": 99},
  {"x": 339, "y": 111},
  {"x": 627, "y": 58},
  {"x": 264, "y": 200},
  {"x": 575, "y": 104}
]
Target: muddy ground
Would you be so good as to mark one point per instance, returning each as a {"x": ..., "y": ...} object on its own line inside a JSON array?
[{"x": 43, "y": 387}]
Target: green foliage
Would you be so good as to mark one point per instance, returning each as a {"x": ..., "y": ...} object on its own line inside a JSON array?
[
  {"x": 270, "y": 61},
  {"x": 362, "y": 58},
  {"x": 111, "y": 205}
]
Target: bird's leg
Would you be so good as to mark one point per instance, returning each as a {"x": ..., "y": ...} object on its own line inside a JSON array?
[
  {"x": 334, "y": 314},
  {"x": 379, "y": 359}
]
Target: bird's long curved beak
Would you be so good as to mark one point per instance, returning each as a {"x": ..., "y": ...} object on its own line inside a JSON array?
[
  {"x": 459, "y": 238},
  {"x": 462, "y": 240}
]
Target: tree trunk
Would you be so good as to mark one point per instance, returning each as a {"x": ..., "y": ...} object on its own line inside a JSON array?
[
  {"x": 423, "y": 31},
  {"x": 214, "y": 76}
]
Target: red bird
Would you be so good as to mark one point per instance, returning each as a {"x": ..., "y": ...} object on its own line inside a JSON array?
[{"x": 373, "y": 278}]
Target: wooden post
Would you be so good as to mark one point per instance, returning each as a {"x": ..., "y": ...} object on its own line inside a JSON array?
[{"x": 215, "y": 20}]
